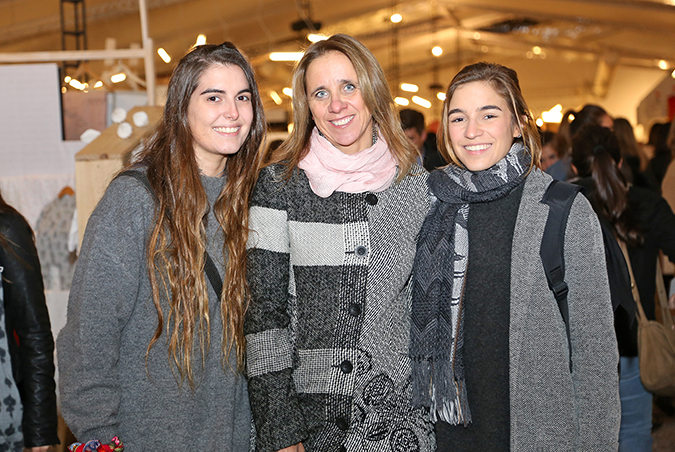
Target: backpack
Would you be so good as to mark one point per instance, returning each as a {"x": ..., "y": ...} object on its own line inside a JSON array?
[{"x": 559, "y": 196}]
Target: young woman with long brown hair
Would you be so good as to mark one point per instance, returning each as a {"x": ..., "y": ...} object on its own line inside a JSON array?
[
  {"x": 490, "y": 351},
  {"x": 151, "y": 352}
]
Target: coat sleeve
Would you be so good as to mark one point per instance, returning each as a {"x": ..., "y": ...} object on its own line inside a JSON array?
[
  {"x": 104, "y": 292},
  {"x": 595, "y": 354},
  {"x": 269, "y": 344},
  {"x": 27, "y": 314}
]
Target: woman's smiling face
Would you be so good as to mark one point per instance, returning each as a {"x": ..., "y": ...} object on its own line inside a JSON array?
[
  {"x": 480, "y": 126},
  {"x": 336, "y": 103}
]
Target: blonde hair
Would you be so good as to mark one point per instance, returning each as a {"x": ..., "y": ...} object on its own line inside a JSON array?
[
  {"x": 504, "y": 81},
  {"x": 376, "y": 95}
]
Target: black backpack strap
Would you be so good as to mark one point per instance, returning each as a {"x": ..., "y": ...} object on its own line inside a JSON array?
[
  {"x": 209, "y": 266},
  {"x": 559, "y": 196}
]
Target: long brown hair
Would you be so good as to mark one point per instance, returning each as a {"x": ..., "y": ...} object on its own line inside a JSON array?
[
  {"x": 504, "y": 81},
  {"x": 376, "y": 95},
  {"x": 4, "y": 242},
  {"x": 596, "y": 154},
  {"x": 175, "y": 250}
]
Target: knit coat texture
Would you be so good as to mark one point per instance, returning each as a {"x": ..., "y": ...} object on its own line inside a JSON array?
[
  {"x": 329, "y": 323},
  {"x": 552, "y": 409},
  {"x": 109, "y": 385}
]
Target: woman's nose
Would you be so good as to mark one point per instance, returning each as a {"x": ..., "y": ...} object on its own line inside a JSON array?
[
  {"x": 473, "y": 129},
  {"x": 230, "y": 111},
  {"x": 336, "y": 104}
]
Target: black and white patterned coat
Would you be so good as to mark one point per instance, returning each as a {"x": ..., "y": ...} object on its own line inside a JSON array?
[{"x": 328, "y": 327}]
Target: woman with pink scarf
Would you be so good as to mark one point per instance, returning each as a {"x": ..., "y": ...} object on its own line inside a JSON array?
[{"x": 334, "y": 220}]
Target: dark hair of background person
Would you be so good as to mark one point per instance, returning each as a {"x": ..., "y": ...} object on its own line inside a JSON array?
[
  {"x": 634, "y": 159},
  {"x": 6, "y": 208},
  {"x": 412, "y": 119},
  {"x": 589, "y": 114},
  {"x": 504, "y": 81},
  {"x": 562, "y": 143},
  {"x": 176, "y": 245},
  {"x": 596, "y": 154},
  {"x": 376, "y": 95}
]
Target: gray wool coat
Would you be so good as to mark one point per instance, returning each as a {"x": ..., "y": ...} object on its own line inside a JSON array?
[{"x": 551, "y": 409}]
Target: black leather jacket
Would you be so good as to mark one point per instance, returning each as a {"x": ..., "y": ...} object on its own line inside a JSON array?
[{"x": 27, "y": 319}]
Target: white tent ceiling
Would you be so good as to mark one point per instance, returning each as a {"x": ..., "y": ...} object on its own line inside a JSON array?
[{"x": 601, "y": 51}]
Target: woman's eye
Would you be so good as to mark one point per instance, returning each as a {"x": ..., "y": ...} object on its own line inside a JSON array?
[
  {"x": 212, "y": 98},
  {"x": 321, "y": 94},
  {"x": 243, "y": 98},
  {"x": 349, "y": 87},
  {"x": 456, "y": 119}
]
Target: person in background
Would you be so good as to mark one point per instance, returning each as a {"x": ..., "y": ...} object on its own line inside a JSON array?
[
  {"x": 490, "y": 352},
  {"x": 153, "y": 350},
  {"x": 645, "y": 222},
  {"x": 663, "y": 155},
  {"x": 412, "y": 122},
  {"x": 550, "y": 163},
  {"x": 28, "y": 409},
  {"x": 590, "y": 114},
  {"x": 334, "y": 220},
  {"x": 634, "y": 159}
]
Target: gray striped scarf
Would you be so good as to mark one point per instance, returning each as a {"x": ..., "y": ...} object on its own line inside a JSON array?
[{"x": 438, "y": 281}]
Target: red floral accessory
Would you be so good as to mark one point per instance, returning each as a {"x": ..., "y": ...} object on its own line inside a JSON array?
[{"x": 96, "y": 446}]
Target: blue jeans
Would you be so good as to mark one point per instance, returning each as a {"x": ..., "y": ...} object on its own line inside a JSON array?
[{"x": 636, "y": 409}]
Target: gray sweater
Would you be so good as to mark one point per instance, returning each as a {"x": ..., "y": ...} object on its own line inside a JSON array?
[
  {"x": 107, "y": 386},
  {"x": 551, "y": 409}
]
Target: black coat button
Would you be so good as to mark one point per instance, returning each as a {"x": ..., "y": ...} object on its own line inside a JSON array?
[
  {"x": 371, "y": 199},
  {"x": 354, "y": 309},
  {"x": 343, "y": 449},
  {"x": 342, "y": 424},
  {"x": 361, "y": 250},
  {"x": 346, "y": 367}
]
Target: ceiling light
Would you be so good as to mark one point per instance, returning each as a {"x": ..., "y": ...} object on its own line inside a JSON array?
[
  {"x": 402, "y": 101},
  {"x": 536, "y": 50},
  {"x": 441, "y": 96},
  {"x": 163, "y": 55},
  {"x": 476, "y": 35},
  {"x": 554, "y": 115},
  {"x": 409, "y": 87},
  {"x": 539, "y": 122},
  {"x": 663, "y": 64},
  {"x": 484, "y": 49},
  {"x": 201, "y": 40},
  {"x": 286, "y": 56},
  {"x": 63, "y": 89},
  {"x": 98, "y": 84},
  {"x": 437, "y": 51},
  {"x": 67, "y": 79},
  {"x": 672, "y": 74},
  {"x": 313, "y": 37},
  {"x": 396, "y": 18},
  {"x": 529, "y": 55},
  {"x": 120, "y": 77},
  {"x": 76, "y": 84},
  {"x": 287, "y": 91},
  {"x": 275, "y": 97},
  {"x": 422, "y": 102}
]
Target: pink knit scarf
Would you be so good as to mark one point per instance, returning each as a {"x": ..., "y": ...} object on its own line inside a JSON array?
[{"x": 329, "y": 170}]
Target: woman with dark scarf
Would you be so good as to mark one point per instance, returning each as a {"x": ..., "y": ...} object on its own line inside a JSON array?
[
  {"x": 28, "y": 395},
  {"x": 645, "y": 222},
  {"x": 334, "y": 220},
  {"x": 490, "y": 352}
]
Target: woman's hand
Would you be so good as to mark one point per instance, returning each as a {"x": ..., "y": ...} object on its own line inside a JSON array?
[{"x": 295, "y": 448}]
